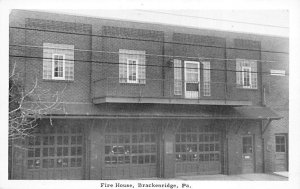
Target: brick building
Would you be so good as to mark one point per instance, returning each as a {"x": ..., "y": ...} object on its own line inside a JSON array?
[{"x": 142, "y": 100}]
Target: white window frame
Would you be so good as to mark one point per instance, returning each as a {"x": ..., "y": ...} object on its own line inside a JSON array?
[
  {"x": 285, "y": 142},
  {"x": 177, "y": 77},
  {"x": 136, "y": 69},
  {"x": 243, "y": 77},
  {"x": 185, "y": 80},
  {"x": 53, "y": 67},
  {"x": 206, "y": 78}
]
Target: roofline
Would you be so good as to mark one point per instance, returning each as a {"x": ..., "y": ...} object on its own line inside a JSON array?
[
  {"x": 64, "y": 116},
  {"x": 146, "y": 22}
]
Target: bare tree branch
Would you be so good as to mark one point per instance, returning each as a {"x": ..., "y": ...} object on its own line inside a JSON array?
[{"x": 27, "y": 106}]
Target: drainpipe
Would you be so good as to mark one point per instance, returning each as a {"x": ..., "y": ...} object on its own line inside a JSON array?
[
  {"x": 225, "y": 57},
  {"x": 163, "y": 65}
]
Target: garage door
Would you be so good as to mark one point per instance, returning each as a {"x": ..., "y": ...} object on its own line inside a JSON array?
[
  {"x": 198, "y": 150},
  {"x": 55, "y": 152},
  {"x": 130, "y": 152}
]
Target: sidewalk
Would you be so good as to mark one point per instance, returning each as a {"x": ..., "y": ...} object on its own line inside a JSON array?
[{"x": 241, "y": 177}]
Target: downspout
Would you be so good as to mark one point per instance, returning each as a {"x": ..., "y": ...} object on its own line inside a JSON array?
[
  {"x": 226, "y": 79},
  {"x": 263, "y": 147},
  {"x": 261, "y": 79},
  {"x": 163, "y": 66}
]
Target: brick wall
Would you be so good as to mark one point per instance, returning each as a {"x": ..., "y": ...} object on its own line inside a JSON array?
[
  {"x": 276, "y": 95},
  {"x": 81, "y": 89}
]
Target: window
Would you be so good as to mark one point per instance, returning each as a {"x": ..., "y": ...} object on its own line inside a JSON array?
[
  {"x": 280, "y": 143},
  {"x": 177, "y": 77},
  {"x": 58, "y": 61},
  {"x": 246, "y": 75},
  {"x": 247, "y": 144},
  {"x": 206, "y": 78},
  {"x": 192, "y": 78},
  {"x": 132, "y": 68},
  {"x": 58, "y": 66}
]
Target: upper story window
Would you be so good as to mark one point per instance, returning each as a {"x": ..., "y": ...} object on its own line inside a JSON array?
[
  {"x": 192, "y": 73},
  {"x": 132, "y": 71},
  {"x": 132, "y": 66},
  {"x": 246, "y": 75},
  {"x": 58, "y": 61},
  {"x": 58, "y": 66}
]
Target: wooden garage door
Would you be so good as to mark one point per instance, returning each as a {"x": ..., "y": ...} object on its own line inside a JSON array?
[
  {"x": 198, "y": 150},
  {"x": 130, "y": 152},
  {"x": 55, "y": 152}
]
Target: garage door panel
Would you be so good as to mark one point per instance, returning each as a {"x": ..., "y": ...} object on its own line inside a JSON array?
[
  {"x": 198, "y": 150},
  {"x": 131, "y": 150},
  {"x": 55, "y": 152}
]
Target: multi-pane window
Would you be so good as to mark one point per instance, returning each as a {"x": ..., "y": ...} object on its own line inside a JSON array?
[
  {"x": 280, "y": 142},
  {"x": 246, "y": 76},
  {"x": 132, "y": 66},
  {"x": 206, "y": 78},
  {"x": 246, "y": 73},
  {"x": 247, "y": 145},
  {"x": 177, "y": 77},
  {"x": 58, "y": 66},
  {"x": 197, "y": 144},
  {"x": 55, "y": 147},
  {"x": 58, "y": 61},
  {"x": 130, "y": 145},
  {"x": 132, "y": 70}
]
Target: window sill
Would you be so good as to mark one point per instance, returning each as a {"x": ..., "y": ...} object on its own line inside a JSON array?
[
  {"x": 242, "y": 88},
  {"x": 58, "y": 80},
  {"x": 132, "y": 83}
]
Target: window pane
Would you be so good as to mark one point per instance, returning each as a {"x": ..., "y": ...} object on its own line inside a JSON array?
[
  {"x": 73, "y": 151},
  {"x": 51, "y": 163},
  {"x": 79, "y": 162},
  {"x": 59, "y": 162},
  {"x": 66, "y": 140},
  {"x": 45, "y": 163},
  {"x": 51, "y": 151},
  {"x": 45, "y": 140},
  {"x": 45, "y": 152},
  {"x": 37, "y": 152},
  {"x": 30, "y": 152},
  {"x": 37, "y": 163},
  {"x": 65, "y": 162},
  {"x": 73, "y": 139},
  {"x": 79, "y": 151},
  {"x": 73, "y": 161},
  {"x": 65, "y": 151},
  {"x": 51, "y": 140},
  {"x": 59, "y": 151},
  {"x": 59, "y": 140},
  {"x": 30, "y": 164}
]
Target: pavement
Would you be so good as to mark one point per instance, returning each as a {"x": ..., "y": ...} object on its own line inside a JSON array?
[
  {"x": 284, "y": 174},
  {"x": 278, "y": 176}
]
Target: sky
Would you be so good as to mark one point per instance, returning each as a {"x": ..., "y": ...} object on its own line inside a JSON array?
[{"x": 267, "y": 22}]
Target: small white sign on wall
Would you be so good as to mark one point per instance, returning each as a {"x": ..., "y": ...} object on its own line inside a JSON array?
[{"x": 277, "y": 72}]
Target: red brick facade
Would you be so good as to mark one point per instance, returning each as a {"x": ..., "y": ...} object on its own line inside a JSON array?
[{"x": 96, "y": 80}]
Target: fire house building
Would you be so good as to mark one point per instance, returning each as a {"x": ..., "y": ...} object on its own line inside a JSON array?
[{"x": 141, "y": 100}]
